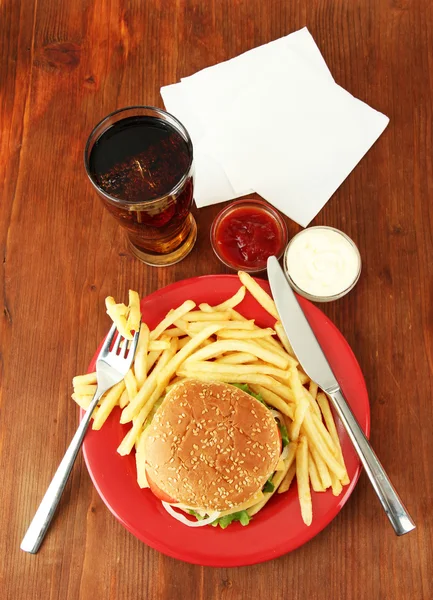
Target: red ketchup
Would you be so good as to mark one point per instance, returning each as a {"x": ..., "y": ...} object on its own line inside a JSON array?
[{"x": 247, "y": 235}]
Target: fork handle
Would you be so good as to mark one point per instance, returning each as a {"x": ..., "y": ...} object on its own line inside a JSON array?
[
  {"x": 390, "y": 500},
  {"x": 43, "y": 517}
]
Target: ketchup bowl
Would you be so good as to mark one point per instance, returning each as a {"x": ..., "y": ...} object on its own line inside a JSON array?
[{"x": 246, "y": 232}]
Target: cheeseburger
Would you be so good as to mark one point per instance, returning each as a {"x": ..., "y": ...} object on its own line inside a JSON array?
[{"x": 210, "y": 450}]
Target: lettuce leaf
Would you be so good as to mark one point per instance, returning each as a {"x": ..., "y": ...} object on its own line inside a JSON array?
[
  {"x": 246, "y": 388},
  {"x": 197, "y": 515},
  {"x": 284, "y": 434},
  {"x": 269, "y": 486},
  {"x": 242, "y": 516}
]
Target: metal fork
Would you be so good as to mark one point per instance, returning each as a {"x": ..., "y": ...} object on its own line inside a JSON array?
[{"x": 110, "y": 369}]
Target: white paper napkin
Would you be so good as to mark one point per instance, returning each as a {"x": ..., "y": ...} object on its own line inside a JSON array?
[
  {"x": 200, "y": 95},
  {"x": 272, "y": 120}
]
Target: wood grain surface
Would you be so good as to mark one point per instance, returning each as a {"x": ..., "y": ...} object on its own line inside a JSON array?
[{"x": 65, "y": 65}]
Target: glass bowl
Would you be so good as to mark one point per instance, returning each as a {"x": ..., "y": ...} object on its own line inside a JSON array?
[
  {"x": 323, "y": 298},
  {"x": 254, "y": 237}
]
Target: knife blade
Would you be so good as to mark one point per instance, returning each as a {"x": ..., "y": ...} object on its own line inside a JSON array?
[
  {"x": 298, "y": 330},
  {"x": 313, "y": 360}
]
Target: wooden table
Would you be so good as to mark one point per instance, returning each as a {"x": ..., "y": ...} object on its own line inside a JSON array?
[{"x": 63, "y": 67}]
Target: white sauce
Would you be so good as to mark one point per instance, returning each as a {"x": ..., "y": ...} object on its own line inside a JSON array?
[{"x": 322, "y": 262}]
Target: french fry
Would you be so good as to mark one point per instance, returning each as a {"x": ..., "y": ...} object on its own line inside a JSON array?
[
  {"x": 233, "y": 301},
  {"x": 159, "y": 345},
  {"x": 183, "y": 326},
  {"x": 241, "y": 334},
  {"x": 300, "y": 411},
  {"x": 322, "y": 469},
  {"x": 124, "y": 399},
  {"x": 85, "y": 390},
  {"x": 107, "y": 404},
  {"x": 324, "y": 433},
  {"x": 311, "y": 401},
  {"x": 198, "y": 315},
  {"x": 266, "y": 343},
  {"x": 218, "y": 348},
  {"x": 148, "y": 407},
  {"x": 175, "y": 362},
  {"x": 152, "y": 357},
  {"x": 312, "y": 388},
  {"x": 204, "y": 307},
  {"x": 87, "y": 379},
  {"x": 131, "y": 437},
  {"x": 303, "y": 377},
  {"x": 134, "y": 316},
  {"x": 262, "y": 363},
  {"x": 276, "y": 343},
  {"x": 283, "y": 338},
  {"x": 227, "y": 304},
  {"x": 259, "y": 294},
  {"x": 304, "y": 480},
  {"x": 336, "y": 485},
  {"x": 169, "y": 320},
  {"x": 140, "y": 359},
  {"x": 301, "y": 403},
  {"x": 136, "y": 404},
  {"x": 316, "y": 440},
  {"x": 131, "y": 384},
  {"x": 174, "y": 332},
  {"x": 295, "y": 383},
  {"x": 323, "y": 402},
  {"x": 183, "y": 342},
  {"x": 287, "y": 481},
  {"x": 235, "y": 316},
  {"x": 236, "y": 358},
  {"x": 199, "y": 325},
  {"x": 214, "y": 367},
  {"x": 118, "y": 312},
  {"x": 316, "y": 484},
  {"x": 273, "y": 400},
  {"x": 290, "y": 461},
  {"x": 84, "y": 402}
]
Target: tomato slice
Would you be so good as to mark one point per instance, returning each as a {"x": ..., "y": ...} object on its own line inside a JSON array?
[
  {"x": 281, "y": 441},
  {"x": 158, "y": 492}
]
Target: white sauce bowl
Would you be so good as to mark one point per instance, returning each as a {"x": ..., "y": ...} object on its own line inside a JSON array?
[{"x": 322, "y": 263}]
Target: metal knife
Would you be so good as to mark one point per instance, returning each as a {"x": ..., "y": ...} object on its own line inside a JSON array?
[{"x": 312, "y": 359}]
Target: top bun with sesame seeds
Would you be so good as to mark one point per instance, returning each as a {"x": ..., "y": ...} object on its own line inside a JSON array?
[{"x": 211, "y": 446}]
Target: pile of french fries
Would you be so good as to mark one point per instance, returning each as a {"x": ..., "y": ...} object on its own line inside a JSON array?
[{"x": 217, "y": 343}]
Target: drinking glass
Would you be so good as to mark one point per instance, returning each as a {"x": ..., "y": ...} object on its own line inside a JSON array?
[{"x": 139, "y": 159}]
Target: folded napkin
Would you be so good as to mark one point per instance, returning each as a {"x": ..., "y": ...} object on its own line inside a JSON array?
[{"x": 273, "y": 121}]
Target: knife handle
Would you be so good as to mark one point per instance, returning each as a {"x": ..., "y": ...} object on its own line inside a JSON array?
[{"x": 390, "y": 500}]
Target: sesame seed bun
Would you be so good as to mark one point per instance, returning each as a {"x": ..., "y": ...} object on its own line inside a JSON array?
[{"x": 211, "y": 446}]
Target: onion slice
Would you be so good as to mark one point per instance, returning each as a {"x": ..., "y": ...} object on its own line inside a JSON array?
[
  {"x": 284, "y": 453},
  {"x": 185, "y": 520},
  {"x": 275, "y": 414}
]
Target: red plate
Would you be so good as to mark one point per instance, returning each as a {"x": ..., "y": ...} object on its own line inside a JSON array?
[{"x": 278, "y": 528}]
